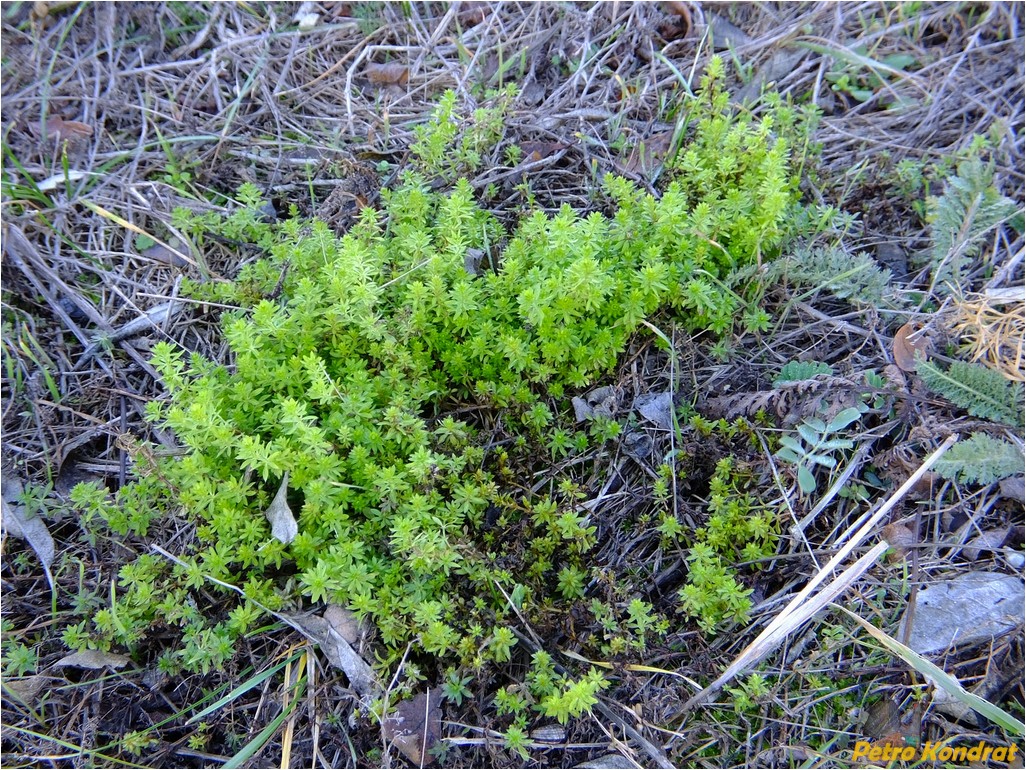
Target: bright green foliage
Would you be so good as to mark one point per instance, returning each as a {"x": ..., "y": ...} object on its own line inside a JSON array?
[
  {"x": 736, "y": 178},
  {"x": 344, "y": 355},
  {"x": 981, "y": 391},
  {"x": 19, "y": 659},
  {"x": 571, "y": 699},
  {"x": 747, "y": 695},
  {"x": 738, "y": 530},
  {"x": 980, "y": 459},
  {"x": 449, "y": 145}
]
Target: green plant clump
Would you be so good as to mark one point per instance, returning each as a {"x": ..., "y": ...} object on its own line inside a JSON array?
[
  {"x": 738, "y": 530},
  {"x": 346, "y": 356}
]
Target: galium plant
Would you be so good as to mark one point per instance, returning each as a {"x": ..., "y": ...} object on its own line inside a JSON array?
[{"x": 345, "y": 356}]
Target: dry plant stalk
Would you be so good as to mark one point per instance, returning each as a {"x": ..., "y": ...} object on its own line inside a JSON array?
[{"x": 993, "y": 327}]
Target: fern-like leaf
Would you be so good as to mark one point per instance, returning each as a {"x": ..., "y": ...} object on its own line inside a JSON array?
[
  {"x": 980, "y": 459},
  {"x": 981, "y": 391},
  {"x": 794, "y": 371},
  {"x": 854, "y": 277},
  {"x": 960, "y": 219}
]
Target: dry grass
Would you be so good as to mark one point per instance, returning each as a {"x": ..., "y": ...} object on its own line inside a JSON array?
[{"x": 183, "y": 102}]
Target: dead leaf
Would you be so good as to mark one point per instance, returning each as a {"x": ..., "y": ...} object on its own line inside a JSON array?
[
  {"x": 387, "y": 74},
  {"x": 330, "y": 634},
  {"x": 26, "y": 688},
  {"x": 1013, "y": 488},
  {"x": 93, "y": 659},
  {"x": 473, "y": 13},
  {"x": 59, "y": 129},
  {"x": 991, "y": 540},
  {"x": 601, "y": 402},
  {"x": 725, "y": 35},
  {"x": 416, "y": 727},
  {"x": 677, "y": 24},
  {"x": 534, "y": 151},
  {"x": 637, "y": 444},
  {"x": 166, "y": 253},
  {"x": 882, "y": 718},
  {"x": 900, "y": 538},
  {"x": 344, "y": 622},
  {"x": 908, "y": 341},
  {"x": 283, "y": 523},
  {"x": 17, "y": 522},
  {"x": 656, "y": 408},
  {"x": 647, "y": 154},
  {"x": 472, "y": 261}
]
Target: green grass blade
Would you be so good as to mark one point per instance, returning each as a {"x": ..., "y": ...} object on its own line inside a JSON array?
[
  {"x": 944, "y": 680},
  {"x": 246, "y": 752},
  {"x": 249, "y": 684}
]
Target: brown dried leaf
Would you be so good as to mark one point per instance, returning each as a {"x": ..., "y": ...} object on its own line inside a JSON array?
[
  {"x": 27, "y": 688},
  {"x": 900, "y": 538},
  {"x": 537, "y": 150},
  {"x": 882, "y": 717},
  {"x": 387, "y": 74},
  {"x": 58, "y": 128},
  {"x": 908, "y": 341},
  {"x": 473, "y": 13},
  {"x": 647, "y": 155},
  {"x": 416, "y": 727},
  {"x": 677, "y": 24}
]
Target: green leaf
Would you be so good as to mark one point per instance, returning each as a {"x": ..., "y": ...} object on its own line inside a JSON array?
[
  {"x": 810, "y": 434},
  {"x": 980, "y": 459},
  {"x": 843, "y": 419},
  {"x": 795, "y": 371},
  {"x": 806, "y": 481},
  {"x": 981, "y": 391}
]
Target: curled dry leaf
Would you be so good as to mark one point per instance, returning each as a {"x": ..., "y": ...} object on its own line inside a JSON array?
[
  {"x": 637, "y": 444},
  {"x": 677, "y": 23},
  {"x": 283, "y": 523},
  {"x": 60, "y": 129},
  {"x": 601, "y": 402},
  {"x": 473, "y": 13},
  {"x": 416, "y": 727},
  {"x": 387, "y": 74},
  {"x": 908, "y": 341},
  {"x": 900, "y": 538}
]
